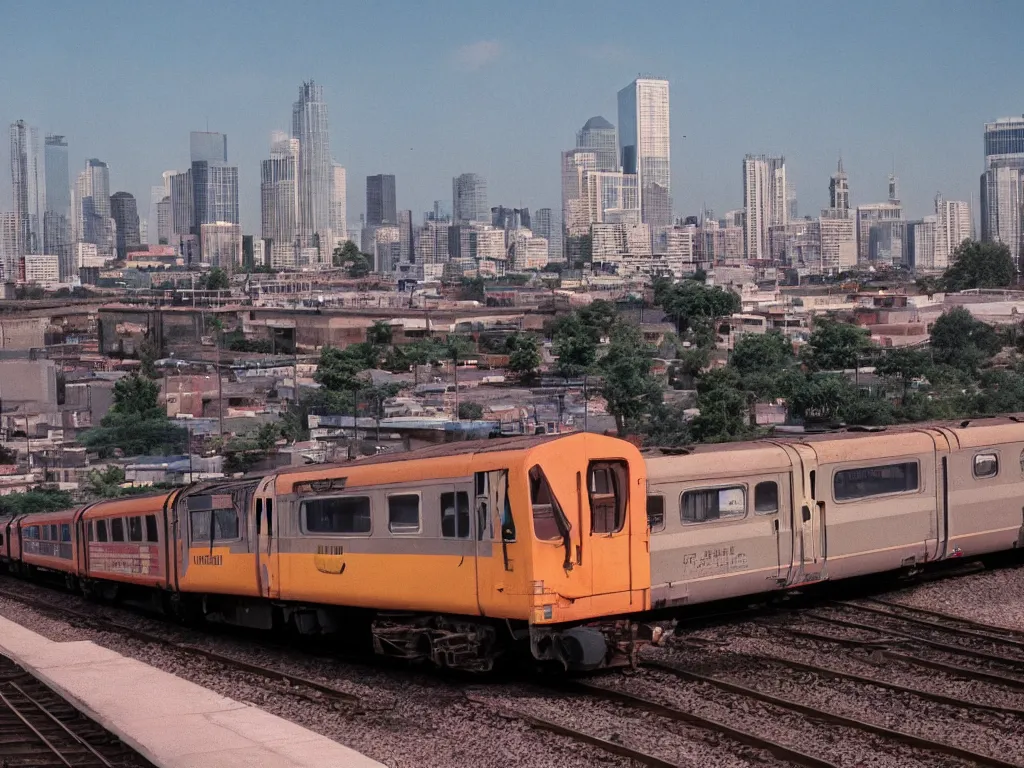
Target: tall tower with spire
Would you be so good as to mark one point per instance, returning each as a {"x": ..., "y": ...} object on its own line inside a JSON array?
[{"x": 839, "y": 189}]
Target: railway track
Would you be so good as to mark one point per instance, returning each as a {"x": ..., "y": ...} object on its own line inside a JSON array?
[
  {"x": 295, "y": 682},
  {"x": 38, "y": 728}
]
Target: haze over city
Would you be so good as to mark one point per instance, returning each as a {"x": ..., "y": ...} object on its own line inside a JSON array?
[{"x": 429, "y": 93}]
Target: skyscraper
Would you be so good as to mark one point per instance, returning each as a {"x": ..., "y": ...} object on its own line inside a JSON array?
[
  {"x": 90, "y": 215},
  {"x": 339, "y": 205},
  {"x": 309, "y": 126},
  {"x": 279, "y": 193},
  {"x": 214, "y": 182},
  {"x": 764, "y": 202},
  {"x": 575, "y": 163},
  {"x": 839, "y": 189},
  {"x": 953, "y": 226},
  {"x": 125, "y": 214},
  {"x": 598, "y": 135},
  {"x": 469, "y": 199},
  {"x": 644, "y": 146},
  {"x": 405, "y": 238},
  {"x": 27, "y": 185},
  {"x": 56, "y": 218},
  {"x": 1002, "y": 184},
  {"x": 381, "y": 207}
]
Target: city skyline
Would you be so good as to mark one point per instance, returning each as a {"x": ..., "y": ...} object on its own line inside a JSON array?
[{"x": 513, "y": 139}]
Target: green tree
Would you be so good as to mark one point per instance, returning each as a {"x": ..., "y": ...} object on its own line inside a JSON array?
[
  {"x": 761, "y": 353},
  {"x": 149, "y": 353},
  {"x": 575, "y": 347},
  {"x": 34, "y": 501},
  {"x": 379, "y": 334},
  {"x": 599, "y": 317},
  {"x": 630, "y": 389},
  {"x": 350, "y": 258},
  {"x": 835, "y": 346},
  {"x": 724, "y": 407},
  {"x": 105, "y": 483},
  {"x": 136, "y": 395},
  {"x": 822, "y": 398},
  {"x": 217, "y": 280},
  {"x": 961, "y": 340},
  {"x": 669, "y": 427},
  {"x": 903, "y": 365},
  {"x": 523, "y": 356},
  {"x": 975, "y": 264},
  {"x": 471, "y": 411},
  {"x": 338, "y": 369},
  {"x": 691, "y": 304},
  {"x": 360, "y": 267}
]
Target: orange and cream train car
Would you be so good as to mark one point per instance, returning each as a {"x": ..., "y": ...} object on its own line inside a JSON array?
[{"x": 444, "y": 554}]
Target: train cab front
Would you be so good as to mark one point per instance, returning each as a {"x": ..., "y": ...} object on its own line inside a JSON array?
[{"x": 590, "y": 541}]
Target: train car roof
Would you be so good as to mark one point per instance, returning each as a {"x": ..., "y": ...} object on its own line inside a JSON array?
[
  {"x": 707, "y": 460},
  {"x": 63, "y": 515},
  {"x": 127, "y": 505}
]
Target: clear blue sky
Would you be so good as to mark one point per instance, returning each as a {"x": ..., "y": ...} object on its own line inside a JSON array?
[{"x": 430, "y": 90}]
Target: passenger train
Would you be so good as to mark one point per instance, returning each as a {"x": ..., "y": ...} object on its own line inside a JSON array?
[{"x": 560, "y": 545}]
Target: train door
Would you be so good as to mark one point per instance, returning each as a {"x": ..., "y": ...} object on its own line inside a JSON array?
[
  {"x": 266, "y": 540},
  {"x": 809, "y": 548},
  {"x": 501, "y": 552},
  {"x": 939, "y": 538},
  {"x": 607, "y": 491}
]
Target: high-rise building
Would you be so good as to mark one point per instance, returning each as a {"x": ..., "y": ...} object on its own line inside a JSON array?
[
  {"x": 405, "y": 238},
  {"x": 890, "y": 216},
  {"x": 469, "y": 199},
  {"x": 182, "y": 209},
  {"x": 839, "y": 189},
  {"x": 575, "y": 163},
  {"x": 208, "y": 147},
  {"x": 922, "y": 238},
  {"x": 57, "y": 216},
  {"x": 164, "y": 222},
  {"x": 9, "y": 235},
  {"x": 90, "y": 216},
  {"x": 838, "y": 243},
  {"x": 221, "y": 244},
  {"x": 611, "y": 197},
  {"x": 381, "y": 204},
  {"x": 339, "y": 205},
  {"x": 546, "y": 226},
  {"x": 953, "y": 226},
  {"x": 598, "y": 136},
  {"x": 27, "y": 185},
  {"x": 279, "y": 192},
  {"x": 1002, "y": 184},
  {"x": 645, "y": 147},
  {"x": 214, "y": 182},
  {"x": 125, "y": 213},
  {"x": 309, "y": 126},
  {"x": 764, "y": 202}
]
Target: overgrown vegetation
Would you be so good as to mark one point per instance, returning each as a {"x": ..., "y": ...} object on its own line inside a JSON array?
[{"x": 135, "y": 424}]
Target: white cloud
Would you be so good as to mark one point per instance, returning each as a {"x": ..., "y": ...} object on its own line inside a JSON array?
[{"x": 477, "y": 55}]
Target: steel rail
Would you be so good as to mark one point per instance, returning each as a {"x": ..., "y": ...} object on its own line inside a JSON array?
[
  {"x": 968, "y": 633},
  {"x": 979, "y": 625},
  {"x": 231, "y": 661},
  {"x": 918, "y": 742},
  {"x": 57, "y": 753}
]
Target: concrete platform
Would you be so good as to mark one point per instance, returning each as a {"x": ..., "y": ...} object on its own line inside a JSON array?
[{"x": 171, "y": 722}]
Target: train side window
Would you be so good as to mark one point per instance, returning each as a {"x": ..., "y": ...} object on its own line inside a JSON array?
[
  {"x": 766, "y": 498},
  {"x": 607, "y": 486},
  {"x": 709, "y": 504},
  {"x": 986, "y": 465},
  {"x": 135, "y": 528},
  {"x": 225, "y": 524},
  {"x": 46, "y": 533},
  {"x": 404, "y": 513},
  {"x": 344, "y": 514},
  {"x": 455, "y": 515},
  {"x": 152, "y": 533},
  {"x": 65, "y": 532},
  {"x": 549, "y": 522},
  {"x": 259, "y": 516},
  {"x": 101, "y": 530},
  {"x": 90, "y": 531},
  {"x": 656, "y": 513},
  {"x": 117, "y": 529},
  {"x": 882, "y": 480},
  {"x": 270, "y": 517}
]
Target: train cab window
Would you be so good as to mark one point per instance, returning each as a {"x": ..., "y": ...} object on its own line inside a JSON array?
[
  {"x": 455, "y": 515},
  {"x": 607, "y": 486},
  {"x": 862, "y": 482},
  {"x": 90, "y": 531},
  {"x": 224, "y": 522},
  {"x": 709, "y": 504},
  {"x": 135, "y": 528},
  {"x": 404, "y": 513},
  {"x": 151, "y": 529},
  {"x": 986, "y": 465},
  {"x": 344, "y": 514},
  {"x": 65, "y": 532},
  {"x": 766, "y": 498},
  {"x": 549, "y": 522},
  {"x": 270, "y": 517},
  {"x": 117, "y": 529},
  {"x": 101, "y": 530},
  {"x": 656, "y": 513}
]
